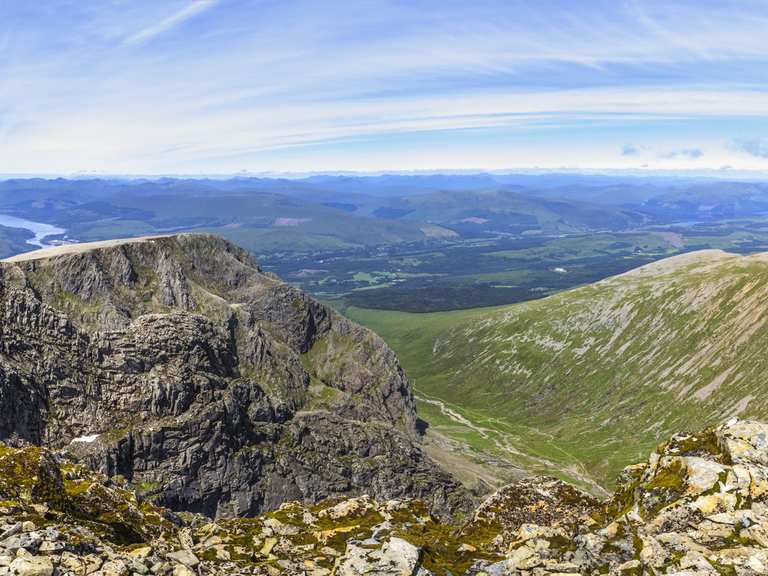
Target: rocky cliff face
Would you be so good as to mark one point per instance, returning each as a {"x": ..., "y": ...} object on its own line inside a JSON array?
[
  {"x": 699, "y": 506},
  {"x": 176, "y": 363}
]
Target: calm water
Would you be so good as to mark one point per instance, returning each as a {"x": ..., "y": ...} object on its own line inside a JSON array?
[{"x": 39, "y": 229}]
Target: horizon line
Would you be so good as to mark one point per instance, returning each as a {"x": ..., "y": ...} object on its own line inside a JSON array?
[{"x": 709, "y": 173}]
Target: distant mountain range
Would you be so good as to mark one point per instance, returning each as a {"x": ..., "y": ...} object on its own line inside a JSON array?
[{"x": 340, "y": 212}]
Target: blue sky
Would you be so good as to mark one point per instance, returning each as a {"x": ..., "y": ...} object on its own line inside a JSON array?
[{"x": 222, "y": 86}]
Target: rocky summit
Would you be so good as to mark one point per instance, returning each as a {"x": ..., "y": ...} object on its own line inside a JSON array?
[
  {"x": 210, "y": 386},
  {"x": 699, "y": 506}
]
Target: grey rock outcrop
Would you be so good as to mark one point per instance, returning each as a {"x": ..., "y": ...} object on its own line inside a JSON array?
[
  {"x": 698, "y": 506},
  {"x": 178, "y": 364}
]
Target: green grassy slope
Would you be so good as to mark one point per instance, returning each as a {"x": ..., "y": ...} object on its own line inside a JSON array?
[
  {"x": 586, "y": 381},
  {"x": 507, "y": 209}
]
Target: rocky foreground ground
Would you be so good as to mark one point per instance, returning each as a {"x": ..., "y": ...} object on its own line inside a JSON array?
[{"x": 698, "y": 506}]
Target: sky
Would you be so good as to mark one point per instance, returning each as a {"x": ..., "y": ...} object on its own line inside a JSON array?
[{"x": 229, "y": 86}]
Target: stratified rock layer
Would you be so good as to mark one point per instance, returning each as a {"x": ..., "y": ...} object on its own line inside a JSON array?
[{"x": 176, "y": 363}]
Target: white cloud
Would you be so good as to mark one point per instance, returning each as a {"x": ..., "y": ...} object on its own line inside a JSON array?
[
  {"x": 757, "y": 147},
  {"x": 690, "y": 153},
  {"x": 175, "y": 133},
  {"x": 176, "y": 19}
]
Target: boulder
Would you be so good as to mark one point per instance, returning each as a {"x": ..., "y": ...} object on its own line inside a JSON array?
[{"x": 32, "y": 566}]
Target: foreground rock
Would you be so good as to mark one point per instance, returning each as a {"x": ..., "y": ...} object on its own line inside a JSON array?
[
  {"x": 58, "y": 517},
  {"x": 699, "y": 506},
  {"x": 213, "y": 387}
]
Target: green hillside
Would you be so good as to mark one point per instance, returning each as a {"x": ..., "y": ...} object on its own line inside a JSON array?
[
  {"x": 258, "y": 222},
  {"x": 511, "y": 210},
  {"x": 586, "y": 381}
]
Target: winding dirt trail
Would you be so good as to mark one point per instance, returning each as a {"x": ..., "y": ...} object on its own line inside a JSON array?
[{"x": 500, "y": 440}]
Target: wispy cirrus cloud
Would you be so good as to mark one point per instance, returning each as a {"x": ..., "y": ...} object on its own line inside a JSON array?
[
  {"x": 162, "y": 86},
  {"x": 169, "y": 23}
]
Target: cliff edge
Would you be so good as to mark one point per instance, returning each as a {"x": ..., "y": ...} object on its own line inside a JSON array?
[{"x": 178, "y": 364}]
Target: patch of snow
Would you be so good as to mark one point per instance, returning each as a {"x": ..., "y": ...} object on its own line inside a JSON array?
[{"x": 86, "y": 439}]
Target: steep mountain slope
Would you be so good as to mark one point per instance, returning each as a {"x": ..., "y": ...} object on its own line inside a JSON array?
[
  {"x": 584, "y": 382},
  {"x": 177, "y": 364}
]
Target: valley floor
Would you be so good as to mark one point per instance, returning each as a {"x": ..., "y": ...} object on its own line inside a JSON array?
[{"x": 462, "y": 439}]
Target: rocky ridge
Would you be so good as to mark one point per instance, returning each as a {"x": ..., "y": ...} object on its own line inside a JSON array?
[
  {"x": 210, "y": 386},
  {"x": 698, "y": 506}
]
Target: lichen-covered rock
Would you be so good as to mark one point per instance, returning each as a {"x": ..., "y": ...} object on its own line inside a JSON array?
[
  {"x": 396, "y": 557},
  {"x": 176, "y": 363},
  {"x": 71, "y": 520},
  {"x": 657, "y": 523},
  {"x": 537, "y": 501},
  {"x": 31, "y": 566},
  {"x": 697, "y": 507}
]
